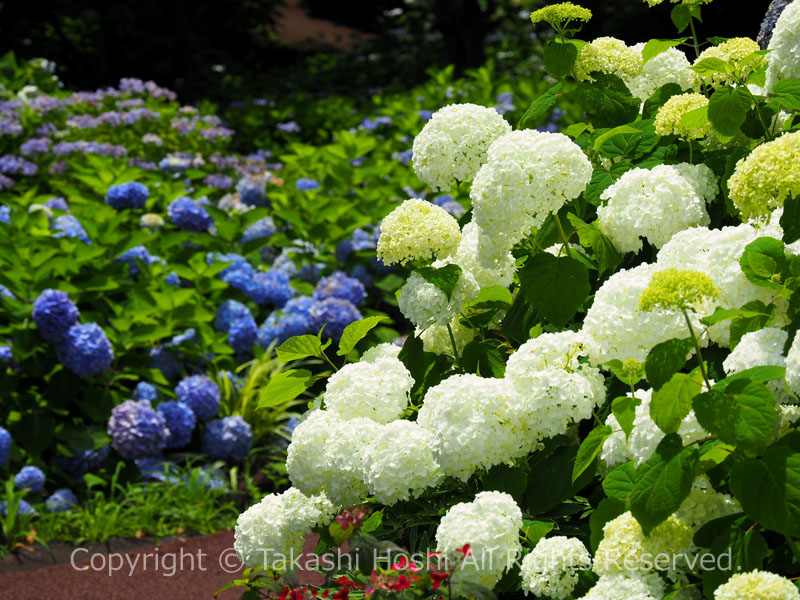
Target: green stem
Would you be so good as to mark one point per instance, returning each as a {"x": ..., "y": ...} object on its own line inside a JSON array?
[
  {"x": 767, "y": 130},
  {"x": 328, "y": 360},
  {"x": 455, "y": 348},
  {"x": 563, "y": 235},
  {"x": 691, "y": 153},
  {"x": 694, "y": 37},
  {"x": 697, "y": 349}
]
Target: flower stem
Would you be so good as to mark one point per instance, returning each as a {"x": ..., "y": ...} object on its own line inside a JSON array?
[
  {"x": 694, "y": 37},
  {"x": 563, "y": 235},
  {"x": 697, "y": 349},
  {"x": 455, "y": 348}
]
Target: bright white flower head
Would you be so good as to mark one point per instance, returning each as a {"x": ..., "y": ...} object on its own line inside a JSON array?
[
  {"x": 551, "y": 569},
  {"x": 436, "y": 338},
  {"x": 417, "y": 230},
  {"x": 527, "y": 176},
  {"x": 615, "y": 450},
  {"x": 477, "y": 422},
  {"x": 488, "y": 269},
  {"x": 671, "y": 66},
  {"x": 793, "y": 366},
  {"x": 760, "y": 348},
  {"x": 704, "y": 504},
  {"x": 490, "y": 524},
  {"x": 323, "y": 456},
  {"x": 611, "y": 56},
  {"x": 424, "y": 304},
  {"x": 652, "y": 203},
  {"x": 702, "y": 178},
  {"x": 452, "y": 146},
  {"x": 784, "y": 47},
  {"x": 627, "y": 586},
  {"x": 615, "y": 328},
  {"x": 377, "y": 390},
  {"x": 757, "y": 585},
  {"x": 274, "y": 528},
  {"x": 399, "y": 462},
  {"x": 380, "y": 351}
]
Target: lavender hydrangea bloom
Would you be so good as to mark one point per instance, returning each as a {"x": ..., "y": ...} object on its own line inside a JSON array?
[
  {"x": 190, "y": 335},
  {"x": 56, "y": 203},
  {"x": 5, "y": 214},
  {"x": 270, "y": 287},
  {"x": 217, "y": 181},
  {"x": 83, "y": 462},
  {"x": 288, "y": 127},
  {"x": 31, "y": 478},
  {"x": 305, "y": 184},
  {"x": 127, "y": 195},
  {"x": 262, "y": 228},
  {"x": 228, "y": 313},
  {"x": 54, "y": 313},
  {"x": 180, "y": 421},
  {"x": 23, "y": 508},
  {"x": 34, "y": 146},
  {"x": 145, "y": 391},
  {"x": 242, "y": 335},
  {"x": 173, "y": 279},
  {"x": 278, "y": 328},
  {"x": 5, "y": 292},
  {"x": 136, "y": 430},
  {"x": 334, "y": 314},
  {"x": 69, "y": 226},
  {"x": 200, "y": 394},
  {"x": 85, "y": 350},
  {"x": 136, "y": 253},
  {"x": 228, "y": 439},
  {"x": 189, "y": 215},
  {"x": 339, "y": 285},
  {"x": 299, "y": 306},
  {"x": 5, "y": 445},
  {"x": 61, "y": 500}
]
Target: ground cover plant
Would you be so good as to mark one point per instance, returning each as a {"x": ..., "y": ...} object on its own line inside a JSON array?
[{"x": 600, "y": 394}]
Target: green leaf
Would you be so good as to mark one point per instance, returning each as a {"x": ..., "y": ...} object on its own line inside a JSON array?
[
  {"x": 607, "y": 510},
  {"x": 558, "y": 59},
  {"x": 556, "y": 287},
  {"x": 745, "y": 414},
  {"x": 589, "y": 449},
  {"x": 299, "y": 347},
  {"x": 673, "y": 401},
  {"x": 283, "y": 387},
  {"x": 619, "y": 482},
  {"x": 727, "y": 109},
  {"x": 624, "y": 409},
  {"x": 591, "y": 237},
  {"x": 372, "y": 522},
  {"x": 655, "y": 47},
  {"x": 754, "y": 374},
  {"x": 536, "y": 530},
  {"x": 764, "y": 262},
  {"x": 695, "y": 119},
  {"x": 790, "y": 220},
  {"x": 508, "y": 479},
  {"x": 631, "y": 141},
  {"x": 711, "y": 66},
  {"x": 445, "y": 278},
  {"x": 664, "y": 481},
  {"x": 659, "y": 99},
  {"x": 355, "y": 332},
  {"x": 787, "y": 94},
  {"x": 607, "y": 100},
  {"x": 769, "y": 488},
  {"x": 627, "y": 375},
  {"x": 738, "y": 550},
  {"x": 540, "y": 106},
  {"x": 682, "y": 15},
  {"x": 666, "y": 359}
]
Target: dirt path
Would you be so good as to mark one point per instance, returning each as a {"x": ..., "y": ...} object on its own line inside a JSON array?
[{"x": 297, "y": 27}]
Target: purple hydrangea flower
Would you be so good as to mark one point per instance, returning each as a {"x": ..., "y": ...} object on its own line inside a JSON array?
[
  {"x": 200, "y": 394},
  {"x": 180, "y": 421},
  {"x": 269, "y": 287},
  {"x": 339, "y": 285},
  {"x": 228, "y": 313},
  {"x": 131, "y": 255},
  {"x": 83, "y": 462},
  {"x": 56, "y": 203},
  {"x": 23, "y": 508},
  {"x": 288, "y": 127},
  {"x": 189, "y": 215},
  {"x": 145, "y": 391},
  {"x": 69, "y": 226},
  {"x": 61, "y": 500},
  {"x": 5, "y": 445},
  {"x": 54, "y": 313},
  {"x": 228, "y": 439},
  {"x": 279, "y": 327},
  {"x": 85, "y": 350},
  {"x": 263, "y": 228},
  {"x": 136, "y": 430},
  {"x": 5, "y": 214},
  {"x": 334, "y": 314},
  {"x": 127, "y": 195},
  {"x": 31, "y": 478},
  {"x": 243, "y": 335},
  {"x": 305, "y": 184},
  {"x": 35, "y": 146},
  {"x": 298, "y": 306}
]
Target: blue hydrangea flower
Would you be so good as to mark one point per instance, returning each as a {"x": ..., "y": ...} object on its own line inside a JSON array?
[
  {"x": 56, "y": 203},
  {"x": 4, "y": 291},
  {"x": 228, "y": 439},
  {"x": 180, "y": 421},
  {"x": 139, "y": 253},
  {"x": 210, "y": 479},
  {"x": 200, "y": 394},
  {"x": 5, "y": 214},
  {"x": 284, "y": 263},
  {"x": 243, "y": 335},
  {"x": 776, "y": 8},
  {"x": 6, "y": 356},
  {"x": 158, "y": 469},
  {"x": 166, "y": 362},
  {"x": 83, "y": 462},
  {"x": 360, "y": 272},
  {"x": 85, "y": 350},
  {"x": 450, "y": 204},
  {"x": 190, "y": 335},
  {"x": 270, "y": 287},
  {"x": 228, "y": 313},
  {"x": 61, "y": 500},
  {"x": 263, "y": 228},
  {"x": 339, "y": 285},
  {"x": 69, "y": 226},
  {"x": 31, "y": 478},
  {"x": 280, "y": 327},
  {"x": 136, "y": 430},
  {"x": 405, "y": 157},
  {"x": 5, "y": 445},
  {"x": 145, "y": 391},
  {"x": 189, "y": 215},
  {"x": 334, "y": 314},
  {"x": 305, "y": 184},
  {"x": 173, "y": 279},
  {"x": 23, "y": 508},
  {"x": 254, "y": 196},
  {"x": 54, "y": 313},
  {"x": 299, "y": 306},
  {"x": 312, "y": 272},
  {"x": 127, "y": 195}
]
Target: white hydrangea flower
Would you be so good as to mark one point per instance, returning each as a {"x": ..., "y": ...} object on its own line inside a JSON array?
[
  {"x": 562, "y": 350},
  {"x": 784, "y": 47},
  {"x": 670, "y": 66},
  {"x": 453, "y": 144},
  {"x": 757, "y": 585},
  {"x": 436, "y": 338},
  {"x": 559, "y": 250},
  {"x": 615, "y": 450},
  {"x": 551, "y": 569},
  {"x": 716, "y": 252},
  {"x": 399, "y": 462},
  {"x": 424, "y": 304},
  {"x": 624, "y": 546},
  {"x": 488, "y": 270},
  {"x": 762, "y": 348},
  {"x": 386, "y": 350},
  {"x": 478, "y": 422},
  {"x": 611, "y": 56},
  {"x": 272, "y": 531},
  {"x": 527, "y": 176},
  {"x": 789, "y": 415},
  {"x": 627, "y": 586},
  {"x": 702, "y": 178},
  {"x": 793, "y": 366},
  {"x": 490, "y": 524},
  {"x": 377, "y": 390},
  {"x": 704, "y": 504},
  {"x": 615, "y": 328},
  {"x": 652, "y": 203},
  {"x": 417, "y": 230},
  {"x": 646, "y": 435},
  {"x": 323, "y": 456}
]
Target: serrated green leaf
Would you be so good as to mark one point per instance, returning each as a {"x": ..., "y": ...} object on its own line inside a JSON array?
[
  {"x": 673, "y": 401},
  {"x": 556, "y": 287},
  {"x": 666, "y": 359},
  {"x": 607, "y": 100},
  {"x": 624, "y": 409},
  {"x": 589, "y": 449},
  {"x": 790, "y": 220},
  {"x": 355, "y": 332},
  {"x": 445, "y": 278},
  {"x": 620, "y": 481},
  {"x": 299, "y": 347},
  {"x": 787, "y": 94},
  {"x": 655, "y": 47},
  {"x": 540, "y": 106},
  {"x": 283, "y": 387},
  {"x": 727, "y": 109},
  {"x": 558, "y": 59}
]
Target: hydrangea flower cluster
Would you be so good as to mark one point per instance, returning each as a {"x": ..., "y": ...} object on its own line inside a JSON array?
[
  {"x": 228, "y": 439},
  {"x": 551, "y": 569},
  {"x": 424, "y": 304},
  {"x": 54, "y": 313},
  {"x": 783, "y": 46},
  {"x": 180, "y": 422},
  {"x": 61, "y": 500},
  {"x": 339, "y": 285},
  {"x": 669, "y": 117},
  {"x": 733, "y": 51},
  {"x": 189, "y": 215},
  {"x": 610, "y": 56},
  {"x": 417, "y": 230},
  {"x": 670, "y": 66},
  {"x": 5, "y": 445},
  {"x": 200, "y": 394},
  {"x": 136, "y": 430},
  {"x": 334, "y": 314},
  {"x": 127, "y": 195},
  {"x": 85, "y": 350},
  {"x": 29, "y": 478},
  {"x": 756, "y": 585}
]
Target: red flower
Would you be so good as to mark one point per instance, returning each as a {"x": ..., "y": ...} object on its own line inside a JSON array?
[
  {"x": 401, "y": 584},
  {"x": 344, "y": 580},
  {"x": 464, "y": 550},
  {"x": 342, "y": 594},
  {"x": 438, "y": 578}
]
